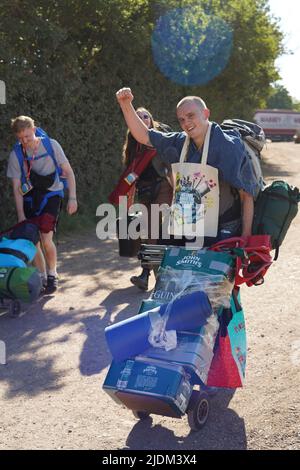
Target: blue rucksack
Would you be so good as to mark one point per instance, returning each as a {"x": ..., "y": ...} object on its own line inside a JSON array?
[{"x": 49, "y": 151}]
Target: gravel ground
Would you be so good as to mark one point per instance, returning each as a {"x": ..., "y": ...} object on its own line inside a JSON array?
[{"x": 51, "y": 387}]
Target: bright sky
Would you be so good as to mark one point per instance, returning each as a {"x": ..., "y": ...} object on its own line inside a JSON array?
[{"x": 288, "y": 14}]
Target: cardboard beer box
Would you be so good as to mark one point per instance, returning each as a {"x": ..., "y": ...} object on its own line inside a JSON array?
[
  {"x": 148, "y": 385},
  {"x": 193, "y": 352}
]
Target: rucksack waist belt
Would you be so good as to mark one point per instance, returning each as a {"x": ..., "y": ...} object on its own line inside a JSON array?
[{"x": 44, "y": 199}]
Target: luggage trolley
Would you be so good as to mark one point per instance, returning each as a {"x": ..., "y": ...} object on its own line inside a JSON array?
[
  {"x": 157, "y": 381},
  {"x": 173, "y": 392},
  {"x": 13, "y": 307}
]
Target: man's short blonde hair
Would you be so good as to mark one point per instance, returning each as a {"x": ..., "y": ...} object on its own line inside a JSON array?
[
  {"x": 20, "y": 123},
  {"x": 194, "y": 99}
]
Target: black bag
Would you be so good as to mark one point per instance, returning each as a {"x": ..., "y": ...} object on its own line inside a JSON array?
[
  {"x": 43, "y": 183},
  {"x": 27, "y": 231},
  {"x": 128, "y": 247},
  {"x": 147, "y": 192}
]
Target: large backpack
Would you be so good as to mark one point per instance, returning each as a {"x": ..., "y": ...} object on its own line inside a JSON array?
[
  {"x": 277, "y": 204},
  {"x": 275, "y": 208},
  {"x": 254, "y": 140},
  {"x": 49, "y": 151}
]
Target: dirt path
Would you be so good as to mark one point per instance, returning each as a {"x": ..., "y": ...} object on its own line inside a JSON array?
[{"x": 57, "y": 359}]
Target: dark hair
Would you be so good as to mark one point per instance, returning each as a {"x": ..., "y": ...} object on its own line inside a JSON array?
[{"x": 130, "y": 144}]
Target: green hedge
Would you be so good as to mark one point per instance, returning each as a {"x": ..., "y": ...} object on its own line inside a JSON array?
[{"x": 62, "y": 63}]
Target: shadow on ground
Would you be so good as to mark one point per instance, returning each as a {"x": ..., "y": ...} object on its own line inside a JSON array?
[
  {"x": 145, "y": 436},
  {"x": 94, "y": 356},
  {"x": 33, "y": 339}
]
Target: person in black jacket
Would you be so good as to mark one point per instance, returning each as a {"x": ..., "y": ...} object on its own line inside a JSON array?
[{"x": 152, "y": 186}]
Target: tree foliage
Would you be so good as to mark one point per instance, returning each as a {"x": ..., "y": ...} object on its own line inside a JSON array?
[
  {"x": 296, "y": 105},
  {"x": 280, "y": 98},
  {"x": 62, "y": 62}
]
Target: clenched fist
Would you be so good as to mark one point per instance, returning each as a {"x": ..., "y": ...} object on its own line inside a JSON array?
[{"x": 124, "y": 95}]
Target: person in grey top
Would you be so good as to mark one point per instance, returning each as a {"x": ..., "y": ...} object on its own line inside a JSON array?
[{"x": 38, "y": 189}]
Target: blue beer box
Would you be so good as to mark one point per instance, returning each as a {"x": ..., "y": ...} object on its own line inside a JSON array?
[
  {"x": 191, "y": 353},
  {"x": 149, "y": 385}
]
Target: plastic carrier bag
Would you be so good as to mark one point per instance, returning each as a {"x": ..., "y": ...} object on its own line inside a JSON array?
[{"x": 184, "y": 272}]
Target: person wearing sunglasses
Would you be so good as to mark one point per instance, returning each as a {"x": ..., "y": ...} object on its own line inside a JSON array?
[{"x": 151, "y": 186}]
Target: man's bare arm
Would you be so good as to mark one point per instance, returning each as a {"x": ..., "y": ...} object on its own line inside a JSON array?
[
  {"x": 18, "y": 199},
  {"x": 134, "y": 123},
  {"x": 69, "y": 174},
  {"x": 247, "y": 203}
]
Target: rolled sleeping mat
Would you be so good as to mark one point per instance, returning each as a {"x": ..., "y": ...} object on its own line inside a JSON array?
[
  {"x": 20, "y": 283},
  {"x": 129, "y": 337},
  {"x": 16, "y": 252},
  {"x": 188, "y": 312}
]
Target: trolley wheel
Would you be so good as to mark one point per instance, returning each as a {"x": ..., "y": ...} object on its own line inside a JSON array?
[
  {"x": 141, "y": 414},
  {"x": 15, "y": 308},
  {"x": 198, "y": 410}
]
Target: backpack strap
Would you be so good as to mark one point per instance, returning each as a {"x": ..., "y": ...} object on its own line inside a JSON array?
[
  {"x": 252, "y": 257},
  {"x": 49, "y": 149},
  {"x": 45, "y": 200},
  {"x": 48, "y": 146},
  {"x": 17, "y": 253},
  {"x": 253, "y": 273},
  {"x": 20, "y": 157}
]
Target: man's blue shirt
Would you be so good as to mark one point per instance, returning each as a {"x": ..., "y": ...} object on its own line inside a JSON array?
[{"x": 226, "y": 152}]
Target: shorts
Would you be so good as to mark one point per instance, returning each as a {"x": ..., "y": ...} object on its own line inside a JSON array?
[{"x": 32, "y": 203}]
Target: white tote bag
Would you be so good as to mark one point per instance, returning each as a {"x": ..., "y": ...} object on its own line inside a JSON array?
[{"x": 195, "y": 205}]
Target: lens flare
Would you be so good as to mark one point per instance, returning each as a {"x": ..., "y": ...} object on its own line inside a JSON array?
[{"x": 191, "y": 47}]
